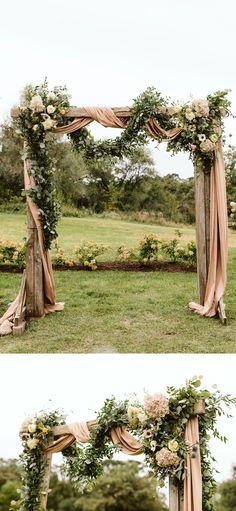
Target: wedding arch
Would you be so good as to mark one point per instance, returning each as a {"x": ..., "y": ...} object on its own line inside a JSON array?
[
  {"x": 195, "y": 127},
  {"x": 172, "y": 433}
]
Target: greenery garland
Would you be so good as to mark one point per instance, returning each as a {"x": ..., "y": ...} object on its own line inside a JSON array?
[
  {"x": 159, "y": 424},
  {"x": 200, "y": 120},
  {"x": 42, "y": 109}
]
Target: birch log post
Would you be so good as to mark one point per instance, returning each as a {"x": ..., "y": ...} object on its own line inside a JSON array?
[
  {"x": 34, "y": 272},
  {"x": 202, "y": 206}
]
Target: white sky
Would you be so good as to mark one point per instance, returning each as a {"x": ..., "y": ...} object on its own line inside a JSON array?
[
  {"x": 107, "y": 52},
  {"x": 80, "y": 383}
]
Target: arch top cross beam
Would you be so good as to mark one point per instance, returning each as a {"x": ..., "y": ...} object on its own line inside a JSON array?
[{"x": 80, "y": 112}]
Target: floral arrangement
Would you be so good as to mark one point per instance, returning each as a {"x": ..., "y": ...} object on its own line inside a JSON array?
[
  {"x": 40, "y": 111},
  {"x": 159, "y": 424}
]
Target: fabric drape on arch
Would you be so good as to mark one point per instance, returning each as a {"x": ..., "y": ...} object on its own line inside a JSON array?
[{"x": 129, "y": 445}]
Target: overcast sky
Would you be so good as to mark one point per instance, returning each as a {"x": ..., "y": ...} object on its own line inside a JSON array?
[
  {"x": 80, "y": 383},
  {"x": 107, "y": 52}
]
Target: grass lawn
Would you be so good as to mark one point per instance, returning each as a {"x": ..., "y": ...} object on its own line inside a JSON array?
[{"x": 118, "y": 311}]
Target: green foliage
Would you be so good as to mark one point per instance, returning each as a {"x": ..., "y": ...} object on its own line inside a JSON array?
[
  {"x": 152, "y": 249},
  {"x": 122, "y": 487},
  {"x": 40, "y": 110},
  {"x": 200, "y": 120},
  {"x": 226, "y": 494},
  {"x": 33, "y": 460}
]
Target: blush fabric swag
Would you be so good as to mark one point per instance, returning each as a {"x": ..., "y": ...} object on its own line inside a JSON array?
[
  {"x": 217, "y": 273},
  {"x": 131, "y": 446}
]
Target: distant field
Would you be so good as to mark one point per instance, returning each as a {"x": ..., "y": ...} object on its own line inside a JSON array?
[
  {"x": 118, "y": 311},
  {"x": 111, "y": 232}
]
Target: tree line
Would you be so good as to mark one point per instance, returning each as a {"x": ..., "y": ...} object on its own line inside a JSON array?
[
  {"x": 124, "y": 486},
  {"x": 128, "y": 184}
]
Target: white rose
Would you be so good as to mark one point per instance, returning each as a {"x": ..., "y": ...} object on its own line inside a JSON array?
[
  {"x": 50, "y": 109},
  {"x": 189, "y": 115},
  {"x": 173, "y": 446},
  {"x": 48, "y": 124},
  {"x": 32, "y": 427},
  {"x": 32, "y": 443},
  {"x": 142, "y": 417}
]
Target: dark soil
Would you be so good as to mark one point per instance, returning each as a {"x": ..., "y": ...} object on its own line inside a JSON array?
[{"x": 117, "y": 266}]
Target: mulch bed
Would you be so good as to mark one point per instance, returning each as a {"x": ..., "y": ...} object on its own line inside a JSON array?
[{"x": 117, "y": 266}]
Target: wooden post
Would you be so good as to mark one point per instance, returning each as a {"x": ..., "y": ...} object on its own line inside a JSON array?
[
  {"x": 202, "y": 207},
  {"x": 175, "y": 497},
  {"x": 34, "y": 272},
  {"x": 46, "y": 479}
]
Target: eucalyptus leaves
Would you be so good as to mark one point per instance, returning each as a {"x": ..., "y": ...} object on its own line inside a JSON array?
[
  {"x": 158, "y": 423},
  {"x": 40, "y": 111}
]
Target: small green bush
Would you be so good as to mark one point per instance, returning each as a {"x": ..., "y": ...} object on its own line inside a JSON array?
[{"x": 12, "y": 252}]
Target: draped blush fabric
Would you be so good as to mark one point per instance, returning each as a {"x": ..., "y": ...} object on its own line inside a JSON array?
[
  {"x": 193, "y": 479},
  {"x": 80, "y": 431},
  {"x": 156, "y": 131},
  {"x": 50, "y": 304},
  {"x": 127, "y": 443},
  {"x": 217, "y": 272},
  {"x": 104, "y": 116}
]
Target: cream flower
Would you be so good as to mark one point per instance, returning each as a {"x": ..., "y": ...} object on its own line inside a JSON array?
[
  {"x": 36, "y": 104},
  {"x": 201, "y": 107},
  {"x": 133, "y": 412},
  {"x": 35, "y": 127},
  {"x": 147, "y": 433},
  {"x": 153, "y": 445},
  {"x": 189, "y": 114},
  {"x": 207, "y": 146},
  {"x": 156, "y": 405},
  {"x": 32, "y": 427},
  {"x": 32, "y": 443},
  {"x": 173, "y": 109},
  {"x": 142, "y": 417},
  {"x": 173, "y": 446},
  {"x": 202, "y": 137},
  {"x": 166, "y": 458},
  {"x": 51, "y": 109},
  {"x": 48, "y": 124}
]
